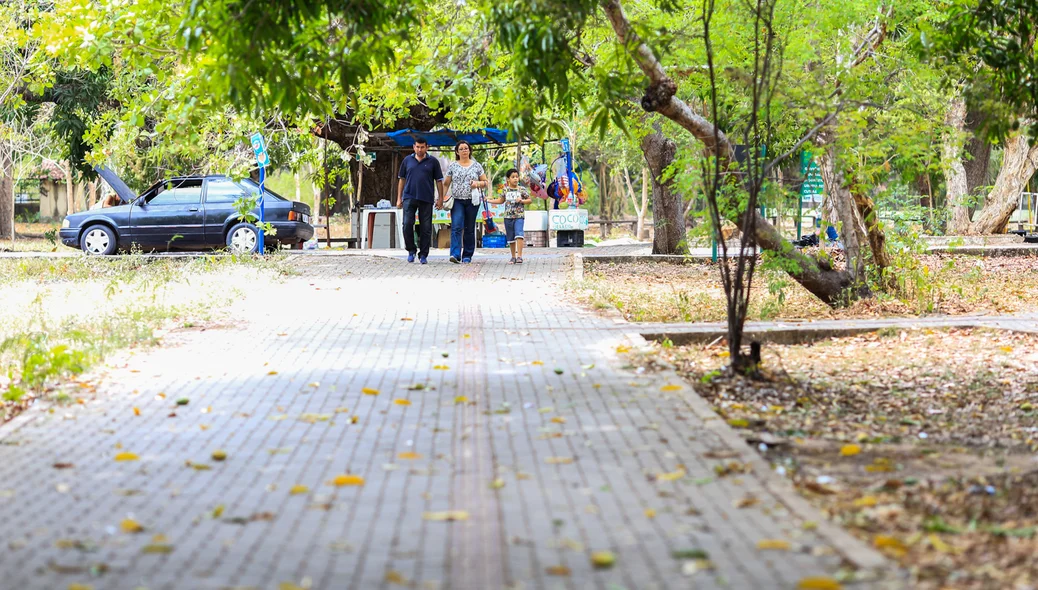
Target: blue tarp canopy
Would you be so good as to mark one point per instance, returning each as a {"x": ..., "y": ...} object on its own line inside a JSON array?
[{"x": 449, "y": 137}]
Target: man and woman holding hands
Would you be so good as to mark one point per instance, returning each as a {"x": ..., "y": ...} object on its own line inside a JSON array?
[{"x": 422, "y": 185}]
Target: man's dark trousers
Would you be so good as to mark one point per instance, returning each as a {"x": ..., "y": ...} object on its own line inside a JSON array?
[{"x": 425, "y": 211}]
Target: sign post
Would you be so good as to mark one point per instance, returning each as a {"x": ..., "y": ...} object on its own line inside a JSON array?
[{"x": 259, "y": 147}]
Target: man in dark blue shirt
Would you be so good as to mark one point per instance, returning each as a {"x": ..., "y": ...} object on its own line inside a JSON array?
[{"x": 420, "y": 184}]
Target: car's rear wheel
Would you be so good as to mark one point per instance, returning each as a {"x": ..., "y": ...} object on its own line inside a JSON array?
[
  {"x": 243, "y": 238},
  {"x": 98, "y": 239}
]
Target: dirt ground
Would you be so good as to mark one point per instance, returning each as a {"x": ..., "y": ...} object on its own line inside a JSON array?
[
  {"x": 922, "y": 443},
  {"x": 931, "y": 284}
]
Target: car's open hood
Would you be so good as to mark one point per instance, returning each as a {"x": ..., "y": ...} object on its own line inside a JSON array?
[{"x": 125, "y": 193}]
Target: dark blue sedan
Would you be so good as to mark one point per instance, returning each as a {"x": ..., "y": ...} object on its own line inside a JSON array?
[{"x": 185, "y": 213}]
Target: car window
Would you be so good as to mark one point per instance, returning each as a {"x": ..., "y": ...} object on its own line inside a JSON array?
[
  {"x": 188, "y": 192},
  {"x": 253, "y": 189},
  {"x": 222, "y": 190}
]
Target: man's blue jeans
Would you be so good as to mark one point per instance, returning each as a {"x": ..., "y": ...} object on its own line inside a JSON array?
[{"x": 463, "y": 228}]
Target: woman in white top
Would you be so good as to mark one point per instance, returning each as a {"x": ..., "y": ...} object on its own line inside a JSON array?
[{"x": 464, "y": 180}]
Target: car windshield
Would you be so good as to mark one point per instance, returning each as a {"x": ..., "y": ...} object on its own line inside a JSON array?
[{"x": 253, "y": 188}]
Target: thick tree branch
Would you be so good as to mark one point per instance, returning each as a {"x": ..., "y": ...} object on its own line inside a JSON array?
[
  {"x": 816, "y": 276},
  {"x": 659, "y": 96}
]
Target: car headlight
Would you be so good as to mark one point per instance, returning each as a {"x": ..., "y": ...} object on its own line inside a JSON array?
[{"x": 64, "y": 223}]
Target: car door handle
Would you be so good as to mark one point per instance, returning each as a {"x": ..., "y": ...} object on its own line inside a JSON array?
[{"x": 193, "y": 209}]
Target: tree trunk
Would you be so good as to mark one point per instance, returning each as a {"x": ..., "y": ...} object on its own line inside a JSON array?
[
  {"x": 954, "y": 171},
  {"x": 877, "y": 239},
  {"x": 70, "y": 191},
  {"x": 979, "y": 150},
  {"x": 668, "y": 221},
  {"x": 6, "y": 192},
  {"x": 645, "y": 204},
  {"x": 92, "y": 192},
  {"x": 1019, "y": 161},
  {"x": 851, "y": 231}
]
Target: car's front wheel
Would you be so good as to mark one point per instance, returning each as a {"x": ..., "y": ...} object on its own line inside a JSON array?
[
  {"x": 98, "y": 239},
  {"x": 243, "y": 238}
]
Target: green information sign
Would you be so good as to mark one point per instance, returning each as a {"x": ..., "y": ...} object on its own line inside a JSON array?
[{"x": 813, "y": 189}]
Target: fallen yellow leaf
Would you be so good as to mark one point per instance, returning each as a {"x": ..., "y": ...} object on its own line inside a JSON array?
[
  {"x": 440, "y": 367},
  {"x": 818, "y": 583},
  {"x": 298, "y": 489},
  {"x": 1006, "y": 348},
  {"x": 850, "y": 450},
  {"x": 866, "y": 501},
  {"x": 80, "y": 587},
  {"x": 409, "y": 455},
  {"x": 773, "y": 544},
  {"x": 672, "y": 476},
  {"x": 939, "y": 544},
  {"x": 402, "y": 402},
  {"x": 537, "y": 363},
  {"x": 348, "y": 480},
  {"x": 157, "y": 548},
  {"x": 558, "y": 420},
  {"x": 272, "y": 372},
  {"x": 369, "y": 391},
  {"x": 461, "y": 399},
  {"x": 129, "y": 525},
  {"x": 126, "y": 457},
  {"x": 892, "y": 544},
  {"x": 446, "y": 515},
  {"x": 558, "y": 460},
  {"x": 395, "y": 577},
  {"x": 650, "y": 513},
  {"x": 622, "y": 349},
  {"x": 603, "y": 559},
  {"x": 136, "y": 411},
  {"x": 557, "y": 570},
  {"x": 670, "y": 387}
]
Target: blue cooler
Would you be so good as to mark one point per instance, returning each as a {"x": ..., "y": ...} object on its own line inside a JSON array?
[{"x": 495, "y": 240}]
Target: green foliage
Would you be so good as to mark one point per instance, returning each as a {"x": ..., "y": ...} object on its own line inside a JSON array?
[
  {"x": 999, "y": 36},
  {"x": 40, "y": 362},
  {"x": 298, "y": 49}
]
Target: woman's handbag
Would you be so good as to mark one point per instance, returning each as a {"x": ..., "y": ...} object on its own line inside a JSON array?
[{"x": 448, "y": 203}]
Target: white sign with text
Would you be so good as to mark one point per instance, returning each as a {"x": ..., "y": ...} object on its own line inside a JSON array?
[{"x": 567, "y": 219}]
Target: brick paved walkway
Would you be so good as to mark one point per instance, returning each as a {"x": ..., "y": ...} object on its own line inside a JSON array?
[{"x": 528, "y": 428}]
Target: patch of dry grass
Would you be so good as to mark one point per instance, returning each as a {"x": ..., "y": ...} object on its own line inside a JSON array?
[
  {"x": 919, "y": 442},
  {"x": 940, "y": 284},
  {"x": 31, "y": 237},
  {"x": 62, "y": 315}
]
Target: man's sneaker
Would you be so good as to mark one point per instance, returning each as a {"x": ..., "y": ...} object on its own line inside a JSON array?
[
  {"x": 454, "y": 260},
  {"x": 410, "y": 256},
  {"x": 467, "y": 260},
  {"x": 423, "y": 260}
]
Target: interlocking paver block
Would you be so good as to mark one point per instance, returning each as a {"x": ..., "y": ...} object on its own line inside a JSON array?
[{"x": 279, "y": 389}]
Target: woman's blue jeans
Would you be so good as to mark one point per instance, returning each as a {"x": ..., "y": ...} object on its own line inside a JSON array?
[{"x": 463, "y": 228}]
